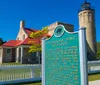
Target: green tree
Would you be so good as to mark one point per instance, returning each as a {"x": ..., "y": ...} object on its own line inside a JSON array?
[
  {"x": 38, "y": 35},
  {"x": 98, "y": 55},
  {"x": 1, "y": 41},
  {"x": 36, "y": 47},
  {"x": 98, "y": 50}
]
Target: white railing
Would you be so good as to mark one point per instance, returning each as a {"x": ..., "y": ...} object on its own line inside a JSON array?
[
  {"x": 19, "y": 73},
  {"x": 94, "y": 62},
  {"x": 2, "y": 65},
  {"x": 93, "y": 67},
  {"x": 28, "y": 73}
]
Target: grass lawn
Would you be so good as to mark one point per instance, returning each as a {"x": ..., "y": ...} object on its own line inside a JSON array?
[
  {"x": 12, "y": 63},
  {"x": 34, "y": 83},
  {"x": 31, "y": 84},
  {"x": 90, "y": 78},
  {"x": 94, "y": 77}
]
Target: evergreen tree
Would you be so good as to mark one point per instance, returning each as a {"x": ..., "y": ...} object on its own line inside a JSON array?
[
  {"x": 1, "y": 41},
  {"x": 98, "y": 50}
]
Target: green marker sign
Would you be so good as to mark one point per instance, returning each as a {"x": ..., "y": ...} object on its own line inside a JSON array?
[{"x": 61, "y": 58}]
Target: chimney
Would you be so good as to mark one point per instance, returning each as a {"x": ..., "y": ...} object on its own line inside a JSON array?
[{"x": 22, "y": 24}]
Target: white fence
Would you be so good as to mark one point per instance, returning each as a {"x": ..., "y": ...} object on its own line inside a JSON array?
[
  {"x": 93, "y": 67},
  {"x": 19, "y": 74},
  {"x": 10, "y": 74}
]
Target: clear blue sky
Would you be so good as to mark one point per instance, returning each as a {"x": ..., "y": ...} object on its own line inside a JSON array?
[{"x": 39, "y": 13}]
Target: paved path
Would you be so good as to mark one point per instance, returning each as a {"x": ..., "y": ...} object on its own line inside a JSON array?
[{"x": 97, "y": 82}]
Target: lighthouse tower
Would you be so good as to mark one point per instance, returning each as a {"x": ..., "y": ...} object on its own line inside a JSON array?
[{"x": 87, "y": 19}]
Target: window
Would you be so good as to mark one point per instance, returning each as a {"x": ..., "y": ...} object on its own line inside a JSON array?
[
  {"x": 8, "y": 50},
  {"x": 23, "y": 37},
  {"x": 90, "y": 17}
]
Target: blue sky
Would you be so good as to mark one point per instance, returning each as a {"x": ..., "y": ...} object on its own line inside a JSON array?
[{"x": 40, "y": 13}]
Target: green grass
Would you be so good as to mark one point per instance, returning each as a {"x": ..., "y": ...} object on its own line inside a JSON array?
[
  {"x": 31, "y": 84},
  {"x": 94, "y": 77},
  {"x": 12, "y": 63},
  {"x": 90, "y": 78}
]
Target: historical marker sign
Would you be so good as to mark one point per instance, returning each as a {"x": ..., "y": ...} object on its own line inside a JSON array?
[{"x": 61, "y": 59}]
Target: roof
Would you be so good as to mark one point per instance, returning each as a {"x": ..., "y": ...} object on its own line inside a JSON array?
[
  {"x": 12, "y": 43},
  {"x": 30, "y": 41},
  {"x": 29, "y": 31},
  {"x": 27, "y": 41},
  {"x": 58, "y": 22}
]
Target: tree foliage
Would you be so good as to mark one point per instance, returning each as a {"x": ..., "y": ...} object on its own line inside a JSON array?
[
  {"x": 1, "y": 41},
  {"x": 35, "y": 48},
  {"x": 38, "y": 35},
  {"x": 98, "y": 50}
]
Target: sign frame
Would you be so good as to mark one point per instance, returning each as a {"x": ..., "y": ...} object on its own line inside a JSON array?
[{"x": 82, "y": 54}]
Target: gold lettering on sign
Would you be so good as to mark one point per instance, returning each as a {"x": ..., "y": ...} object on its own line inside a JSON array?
[{"x": 63, "y": 61}]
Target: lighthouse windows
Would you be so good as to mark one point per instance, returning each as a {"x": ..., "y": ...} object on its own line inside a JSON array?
[
  {"x": 84, "y": 17},
  {"x": 90, "y": 17}
]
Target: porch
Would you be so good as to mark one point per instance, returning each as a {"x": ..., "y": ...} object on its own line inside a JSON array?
[
  {"x": 19, "y": 54},
  {"x": 7, "y": 54}
]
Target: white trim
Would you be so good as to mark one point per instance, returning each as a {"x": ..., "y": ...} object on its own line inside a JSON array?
[
  {"x": 43, "y": 61},
  {"x": 21, "y": 58},
  {"x": 1, "y": 55},
  {"x": 66, "y": 30},
  {"x": 83, "y": 56},
  {"x": 7, "y": 47},
  {"x": 17, "y": 54},
  {"x": 63, "y": 32},
  {"x": 24, "y": 46}
]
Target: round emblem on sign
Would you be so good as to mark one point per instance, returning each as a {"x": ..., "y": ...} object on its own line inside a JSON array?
[{"x": 59, "y": 30}]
